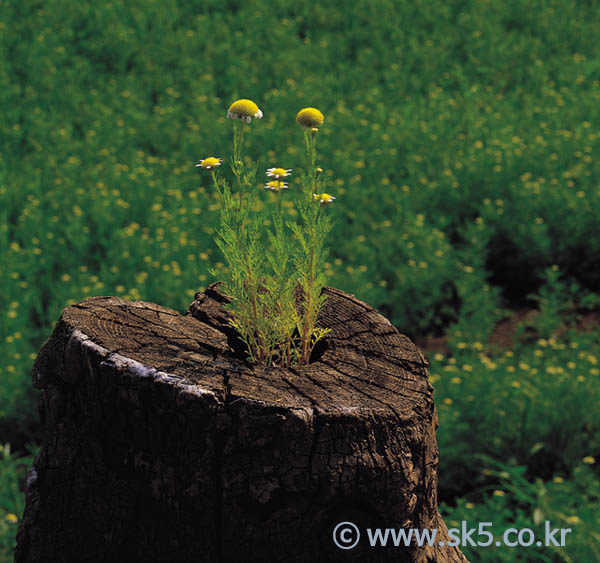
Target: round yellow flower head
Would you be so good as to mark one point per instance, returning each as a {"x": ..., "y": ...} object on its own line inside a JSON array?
[
  {"x": 323, "y": 198},
  {"x": 310, "y": 117},
  {"x": 210, "y": 163},
  {"x": 276, "y": 185},
  {"x": 278, "y": 172},
  {"x": 244, "y": 110}
]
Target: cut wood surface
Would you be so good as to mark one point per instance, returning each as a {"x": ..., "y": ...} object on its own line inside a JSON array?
[{"x": 162, "y": 444}]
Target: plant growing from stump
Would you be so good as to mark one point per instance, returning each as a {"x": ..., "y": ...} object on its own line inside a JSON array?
[{"x": 275, "y": 290}]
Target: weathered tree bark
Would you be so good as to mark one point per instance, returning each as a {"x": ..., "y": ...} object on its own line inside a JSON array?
[{"x": 162, "y": 444}]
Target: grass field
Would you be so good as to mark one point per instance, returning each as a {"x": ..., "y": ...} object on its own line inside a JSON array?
[{"x": 459, "y": 141}]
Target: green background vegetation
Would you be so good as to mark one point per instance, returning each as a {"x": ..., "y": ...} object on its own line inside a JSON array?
[{"x": 459, "y": 142}]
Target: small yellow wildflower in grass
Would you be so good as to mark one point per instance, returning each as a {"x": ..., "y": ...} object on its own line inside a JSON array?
[
  {"x": 245, "y": 110},
  {"x": 11, "y": 518},
  {"x": 278, "y": 173},
  {"x": 498, "y": 493},
  {"x": 210, "y": 163},
  {"x": 558, "y": 480},
  {"x": 589, "y": 460},
  {"x": 310, "y": 117},
  {"x": 573, "y": 519},
  {"x": 276, "y": 185},
  {"x": 323, "y": 198}
]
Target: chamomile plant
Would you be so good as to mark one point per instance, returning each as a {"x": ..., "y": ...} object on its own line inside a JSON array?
[{"x": 275, "y": 292}]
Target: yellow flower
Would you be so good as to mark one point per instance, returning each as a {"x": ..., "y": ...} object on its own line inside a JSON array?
[
  {"x": 589, "y": 459},
  {"x": 278, "y": 173},
  {"x": 310, "y": 117},
  {"x": 210, "y": 163},
  {"x": 498, "y": 493},
  {"x": 323, "y": 199},
  {"x": 11, "y": 518},
  {"x": 276, "y": 185},
  {"x": 244, "y": 110}
]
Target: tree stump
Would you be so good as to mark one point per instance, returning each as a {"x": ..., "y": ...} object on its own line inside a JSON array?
[{"x": 161, "y": 444}]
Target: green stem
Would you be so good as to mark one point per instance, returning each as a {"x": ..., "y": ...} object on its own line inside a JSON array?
[
  {"x": 214, "y": 178},
  {"x": 237, "y": 160},
  {"x": 309, "y": 321},
  {"x": 279, "y": 216},
  {"x": 238, "y": 139},
  {"x": 308, "y": 327}
]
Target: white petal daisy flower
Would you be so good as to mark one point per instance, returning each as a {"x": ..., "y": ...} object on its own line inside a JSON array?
[
  {"x": 276, "y": 185},
  {"x": 210, "y": 163},
  {"x": 323, "y": 198},
  {"x": 245, "y": 110},
  {"x": 278, "y": 172}
]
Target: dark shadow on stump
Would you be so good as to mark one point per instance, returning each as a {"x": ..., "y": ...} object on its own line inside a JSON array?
[{"x": 161, "y": 444}]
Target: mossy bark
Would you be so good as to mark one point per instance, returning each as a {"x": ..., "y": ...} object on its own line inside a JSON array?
[{"x": 162, "y": 444}]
